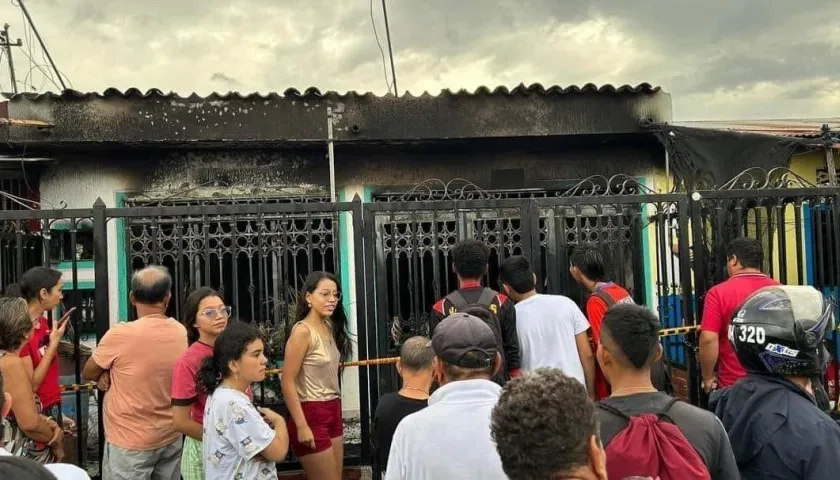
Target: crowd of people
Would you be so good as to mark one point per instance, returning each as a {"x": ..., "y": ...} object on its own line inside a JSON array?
[
  {"x": 531, "y": 386},
  {"x": 509, "y": 384}
]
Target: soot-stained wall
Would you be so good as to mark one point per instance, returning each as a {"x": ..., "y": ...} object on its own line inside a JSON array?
[
  {"x": 542, "y": 166},
  {"x": 79, "y": 179}
]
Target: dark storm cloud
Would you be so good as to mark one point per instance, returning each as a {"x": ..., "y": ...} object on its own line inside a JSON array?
[
  {"x": 714, "y": 56},
  {"x": 225, "y": 79},
  {"x": 709, "y": 45}
]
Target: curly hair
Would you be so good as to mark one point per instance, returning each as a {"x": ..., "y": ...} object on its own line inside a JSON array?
[
  {"x": 542, "y": 425},
  {"x": 15, "y": 323},
  {"x": 470, "y": 258}
]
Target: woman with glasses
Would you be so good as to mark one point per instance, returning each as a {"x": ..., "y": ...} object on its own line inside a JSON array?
[
  {"x": 205, "y": 317},
  {"x": 318, "y": 343}
]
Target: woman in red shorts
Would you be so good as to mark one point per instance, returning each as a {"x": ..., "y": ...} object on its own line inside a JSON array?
[{"x": 318, "y": 343}]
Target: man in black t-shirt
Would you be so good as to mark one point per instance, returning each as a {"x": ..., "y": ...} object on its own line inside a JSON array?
[
  {"x": 415, "y": 368},
  {"x": 629, "y": 347}
]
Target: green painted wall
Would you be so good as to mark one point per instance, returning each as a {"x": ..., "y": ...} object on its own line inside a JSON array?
[{"x": 122, "y": 259}]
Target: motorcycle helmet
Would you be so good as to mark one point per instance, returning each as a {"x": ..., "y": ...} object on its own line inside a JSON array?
[{"x": 780, "y": 330}]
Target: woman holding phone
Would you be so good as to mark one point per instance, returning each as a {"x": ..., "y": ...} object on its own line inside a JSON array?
[{"x": 41, "y": 288}]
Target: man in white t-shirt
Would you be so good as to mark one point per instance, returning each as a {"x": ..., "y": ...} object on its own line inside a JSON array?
[{"x": 551, "y": 328}]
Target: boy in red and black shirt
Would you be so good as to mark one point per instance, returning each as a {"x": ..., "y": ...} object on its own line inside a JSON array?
[
  {"x": 587, "y": 268},
  {"x": 469, "y": 262}
]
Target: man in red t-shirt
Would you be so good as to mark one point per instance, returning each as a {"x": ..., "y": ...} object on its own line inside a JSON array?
[
  {"x": 744, "y": 258},
  {"x": 588, "y": 270}
]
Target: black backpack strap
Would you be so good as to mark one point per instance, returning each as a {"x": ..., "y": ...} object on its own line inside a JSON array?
[
  {"x": 457, "y": 299},
  {"x": 615, "y": 411},
  {"x": 487, "y": 297},
  {"x": 663, "y": 414}
]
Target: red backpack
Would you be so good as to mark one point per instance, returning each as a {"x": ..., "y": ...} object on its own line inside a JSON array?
[{"x": 652, "y": 446}]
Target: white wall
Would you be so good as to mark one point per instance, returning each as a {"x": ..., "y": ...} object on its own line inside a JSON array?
[{"x": 79, "y": 184}]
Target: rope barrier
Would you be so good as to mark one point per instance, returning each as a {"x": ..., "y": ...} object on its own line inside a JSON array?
[{"x": 90, "y": 386}]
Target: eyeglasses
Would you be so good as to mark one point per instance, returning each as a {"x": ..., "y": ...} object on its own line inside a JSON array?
[
  {"x": 214, "y": 313},
  {"x": 330, "y": 295}
]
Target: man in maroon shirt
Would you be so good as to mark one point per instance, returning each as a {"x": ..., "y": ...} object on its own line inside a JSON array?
[
  {"x": 469, "y": 262},
  {"x": 744, "y": 258}
]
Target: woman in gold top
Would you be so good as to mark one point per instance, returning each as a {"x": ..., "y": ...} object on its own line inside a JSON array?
[{"x": 318, "y": 343}]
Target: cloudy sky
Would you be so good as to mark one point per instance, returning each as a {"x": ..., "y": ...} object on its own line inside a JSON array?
[{"x": 720, "y": 59}]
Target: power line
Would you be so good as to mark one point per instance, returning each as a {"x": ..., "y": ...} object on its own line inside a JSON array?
[
  {"x": 381, "y": 50},
  {"x": 44, "y": 45}
]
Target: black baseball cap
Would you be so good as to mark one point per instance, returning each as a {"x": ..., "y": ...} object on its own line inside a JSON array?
[{"x": 465, "y": 341}]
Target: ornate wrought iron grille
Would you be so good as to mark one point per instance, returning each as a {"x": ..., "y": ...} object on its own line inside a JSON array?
[
  {"x": 258, "y": 261},
  {"x": 402, "y": 249},
  {"x": 413, "y": 234},
  {"x": 416, "y": 241}
]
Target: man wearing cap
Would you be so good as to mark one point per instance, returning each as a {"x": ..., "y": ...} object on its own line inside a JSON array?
[{"x": 451, "y": 437}]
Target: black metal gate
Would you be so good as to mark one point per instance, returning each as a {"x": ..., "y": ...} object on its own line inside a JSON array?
[
  {"x": 797, "y": 223},
  {"x": 668, "y": 249},
  {"x": 256, "y": 252},
  {"x": 408, "y": 240}
]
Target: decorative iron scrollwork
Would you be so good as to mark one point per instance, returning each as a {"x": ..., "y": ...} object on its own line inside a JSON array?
[
  {"x": 599, "y": 185},
  {"x": 435, "y": 189},
  {"x": 757, "y": 178},
  {"x": 144, "y": 200}
]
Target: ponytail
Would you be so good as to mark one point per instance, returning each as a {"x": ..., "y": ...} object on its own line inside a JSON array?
[
  {"x": 229, "y": 346},
  {"x": 209, "y": 376}
]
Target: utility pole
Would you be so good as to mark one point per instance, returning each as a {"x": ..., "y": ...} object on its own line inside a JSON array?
[
  {"x": 43, "y": 45},
  {"x": 390, "y": 50},
  {"x": 6, "y": 44}
]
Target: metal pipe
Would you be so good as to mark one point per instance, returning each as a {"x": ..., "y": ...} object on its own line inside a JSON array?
[
  {"x": 828, "y": 144},
  {"x": 43, "y": 45},
  {"x": 331, "y": 153}
]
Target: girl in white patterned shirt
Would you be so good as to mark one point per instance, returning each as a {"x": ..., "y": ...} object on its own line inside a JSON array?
[{"x": 239, "y": 441}]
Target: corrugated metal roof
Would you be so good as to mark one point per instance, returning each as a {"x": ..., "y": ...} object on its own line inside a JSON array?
[
  {"x": 801, "y": 127},
  {"x": 312, "y": 92}
]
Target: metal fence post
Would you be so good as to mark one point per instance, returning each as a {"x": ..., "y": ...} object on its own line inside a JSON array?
[
  {"x": 101, "y": 307},
  {"x": 357, "y": 216}
]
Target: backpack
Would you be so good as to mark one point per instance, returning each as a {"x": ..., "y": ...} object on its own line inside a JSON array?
[
  {"x": 653, "y": 446},
  {"x": 660, "y": 372},
  {"x": 484, "y": 309}
]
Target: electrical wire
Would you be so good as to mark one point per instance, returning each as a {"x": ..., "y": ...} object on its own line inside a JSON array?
[
  {"x": 381, "y": 49},
  {"x": 45, "y": 68}
]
